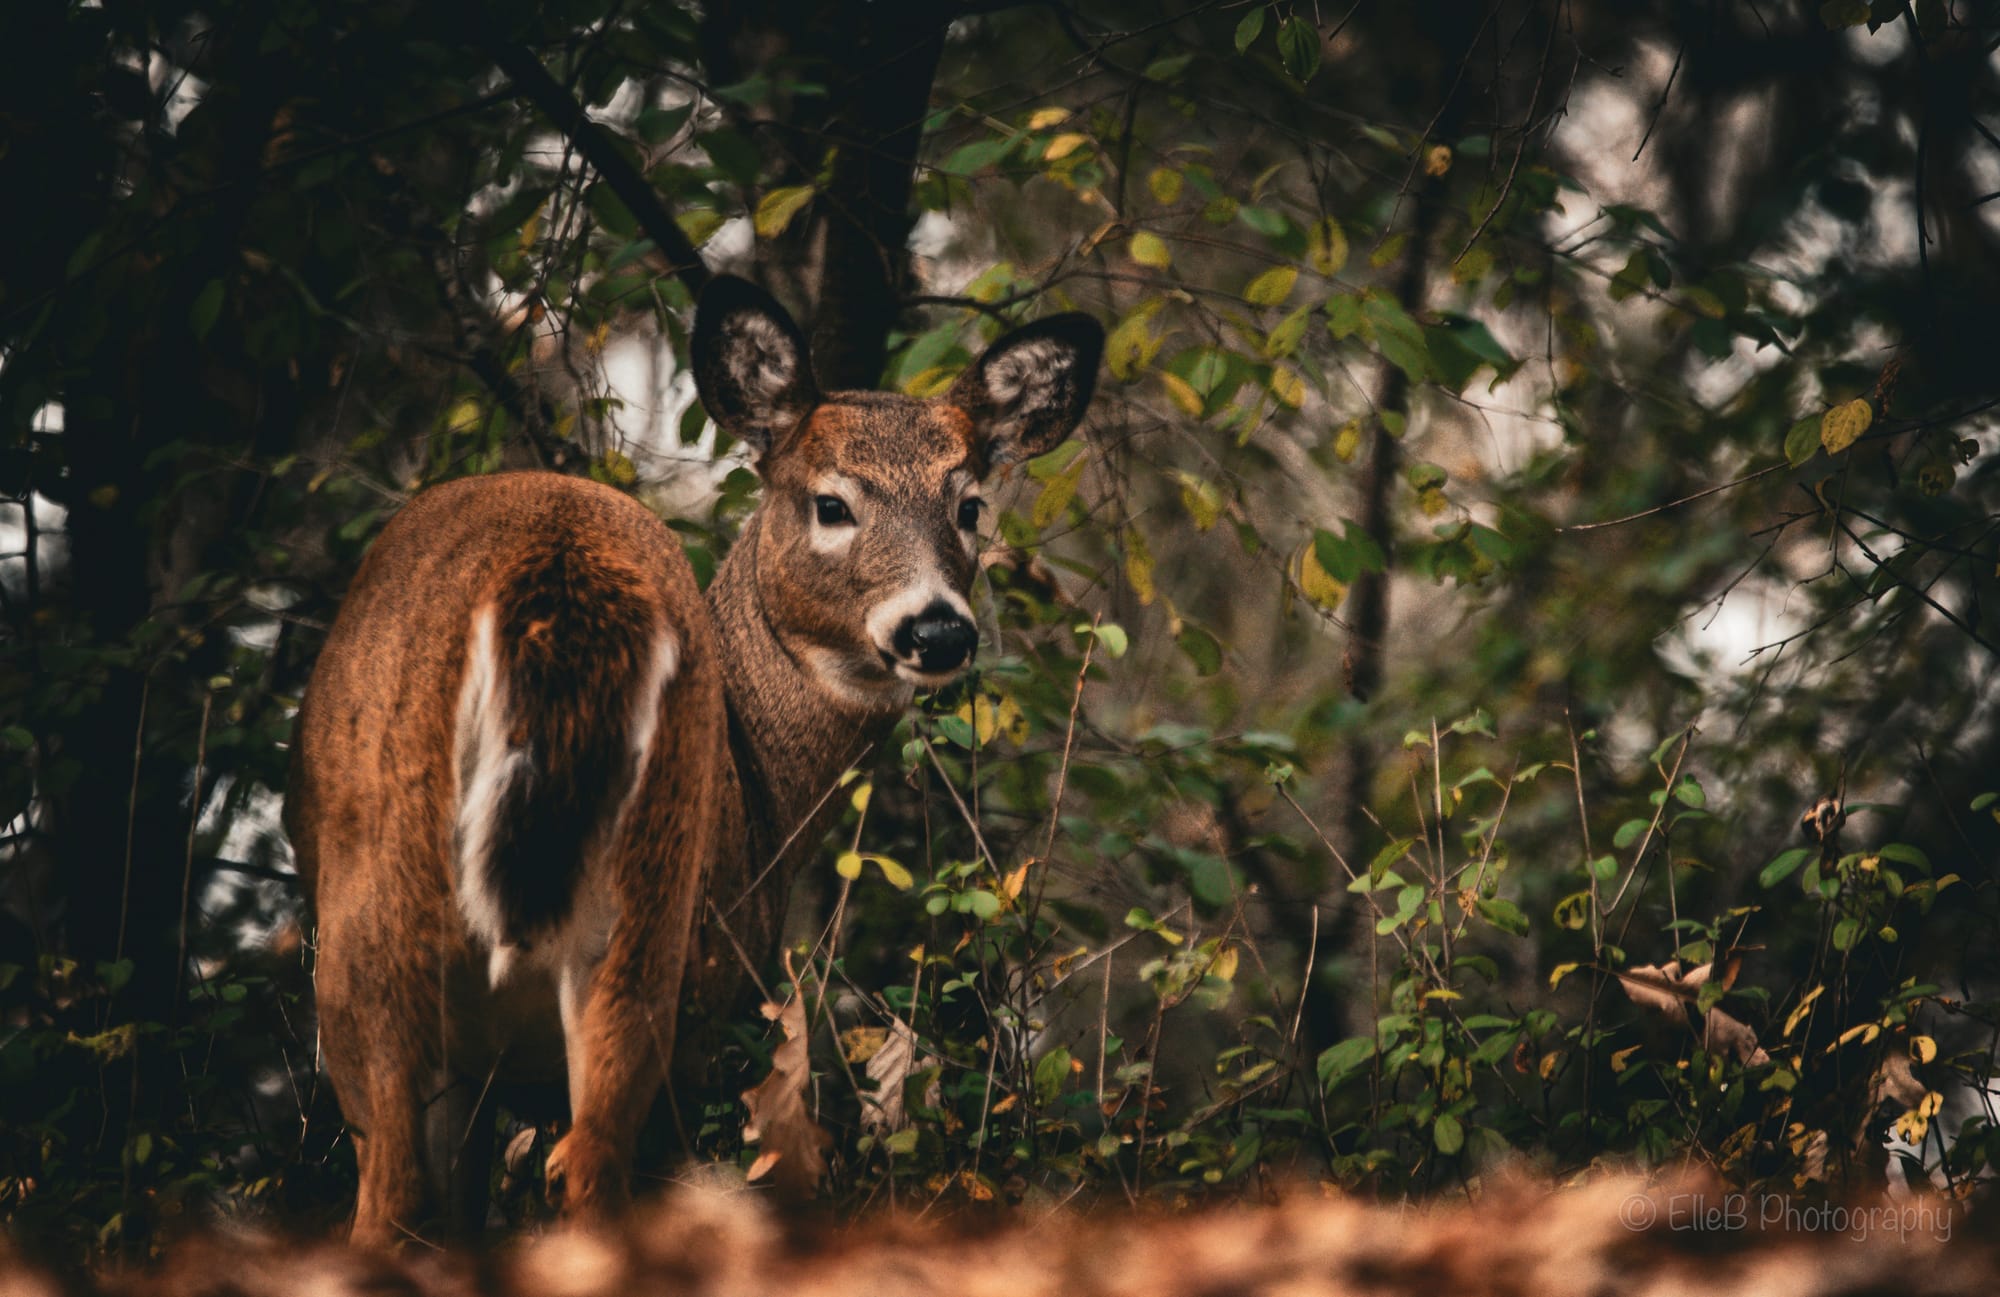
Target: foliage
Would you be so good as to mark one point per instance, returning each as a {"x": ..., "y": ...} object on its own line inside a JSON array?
[{"x": 1653, "y": 503}]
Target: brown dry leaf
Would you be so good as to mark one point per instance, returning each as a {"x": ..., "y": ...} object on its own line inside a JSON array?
[
  {"x": 1894, "y": 1080},
  {"x": 1725, "y": 1032},
  {"x": 882, "y": 1113},
  {"x": 794, "y": 1146},
  {"x": 1661, "y": 989}
]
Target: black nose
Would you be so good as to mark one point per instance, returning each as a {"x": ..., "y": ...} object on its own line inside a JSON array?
[{"x": 938, "y": 639}]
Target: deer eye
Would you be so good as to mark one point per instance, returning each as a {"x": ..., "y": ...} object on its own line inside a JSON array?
[
  {"x": 831, "y": 510},
  {"x": 968, "y": 512}
]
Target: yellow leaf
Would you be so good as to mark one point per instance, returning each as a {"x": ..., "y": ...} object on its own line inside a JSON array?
[
  {"x": 1432, "y": 501},
  {"x": 1012, "y": 721},
  {"x": 1224, "y": 966},
  {"x": 598, "y": 337},
  {"x": 1864, "y": 1032},
  {"x": 1347, "y": 441},
  {"x": 1139, "y": 565},
  {"x": 1326, "y": 246},
  {"x": 1202, "y": 501},
  {"x": 1704, "y": 302},
  {"x": 1550, "y": 1061},
  {"x": 463, "y": 417},
  {"x": 1057, "y": 493},
  {"x": 978, "y": 713},
  {"x": 929, "y": 382},
  {"x": 1005, "y": 1104},
  {"x": 1388, "y": 250},
  {"x": 1798, "y": 1014},
  {"x": 848, "y": 866},
  {"x": 1165, "y": 183},
  {"x": 859, "y": 1044},
  {"x": 1182, "y": 393},
  {"x": 699, "y": 223},
  {"x": 1131, "y": 345},
  {"x": 1272, "y": 287},
  {"x": 1441, "y": 993},
  {"x": 531, "y": 229},
  {"x": 777, "y": 208},
  {"x": 1046, "y": 117},
  {"x": 1317, "y": 583},
  {"x": 899, "y": 877},
  {"x": 1287, "y": 386},
  {"x": 1559, "y": 972},
  {"x": 1916, "y": 1123},
  {"x": 1063, "y": 145},
  {"x": 619, "y": 468},
  {"x": 861, "y": 796},
  {"x": 1840, "y": 426},
  {"x": 1923, "y": 1049},
  {"x": 1149, "y": 249},
  {"x": 1618, "y": 1058},
  {"x": 1438, "y": 160},
  {"x": 1011, "y": 885}
]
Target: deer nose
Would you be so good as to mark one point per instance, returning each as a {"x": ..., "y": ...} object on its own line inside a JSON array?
[{"x": 936, "y": 640}]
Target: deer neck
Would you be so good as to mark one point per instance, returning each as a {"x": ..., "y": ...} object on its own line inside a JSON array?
[{"x": 790, "y": 739}]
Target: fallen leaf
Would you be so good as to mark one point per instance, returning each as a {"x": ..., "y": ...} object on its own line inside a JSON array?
[
  {"x": 793, "y": 1156},
  {"x": 882, "y": 1112},
  {"x": 1724, "y": 1032}
]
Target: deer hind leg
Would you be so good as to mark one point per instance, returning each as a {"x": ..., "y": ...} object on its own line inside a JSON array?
[
  {"x": 620, "y": 1012},
  {"x": 393, "y": 1198}
]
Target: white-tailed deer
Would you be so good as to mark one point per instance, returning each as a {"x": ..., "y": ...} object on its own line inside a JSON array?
[{"x": 532, "y": 752}]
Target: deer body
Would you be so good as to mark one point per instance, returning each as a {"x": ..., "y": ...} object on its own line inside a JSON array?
[{"x": 533, "y": 755}]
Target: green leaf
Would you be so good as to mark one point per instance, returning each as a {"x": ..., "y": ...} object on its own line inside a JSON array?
[
  {"x": 1904, "y": 853},
  {"x": 611, "y": 211},
  {"x": 1051, "y": 1071},
  {"x": 1337, "y": 1061},
  {"x": 1688, "y": 793},
  {"x": 1298, "y": 47},
  {"x": 207, "y": 306},
  {"x": 1109, "y": 634},
  {"x": 1629, "y": 832},
  {"x": 1846, "y": 933},
  {"x": 1202, "y": 649},
  {"x": 1249, "y": 29},
  {"x": 1504, "y": 915},
  {"x": 1447, "y": 1134}
]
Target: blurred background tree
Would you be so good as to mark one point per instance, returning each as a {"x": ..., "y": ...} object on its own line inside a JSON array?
[{"x": 1546, "y": 448}]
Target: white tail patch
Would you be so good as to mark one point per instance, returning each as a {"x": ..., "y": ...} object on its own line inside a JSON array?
[
  {"x": 486, "y": 765},
  {"x": 660, "y": 669}
]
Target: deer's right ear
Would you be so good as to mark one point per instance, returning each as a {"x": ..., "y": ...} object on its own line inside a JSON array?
[{"x": 750, "y": 364}]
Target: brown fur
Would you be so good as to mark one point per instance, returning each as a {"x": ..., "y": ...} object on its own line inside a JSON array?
[
  {"x": 778, "y": 688},
  {"x": 1618, "y": 1236}
]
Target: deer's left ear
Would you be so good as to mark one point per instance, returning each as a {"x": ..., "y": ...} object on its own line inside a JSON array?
[{"x": 1031, "y": 388}]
